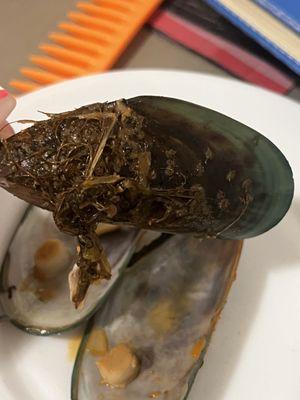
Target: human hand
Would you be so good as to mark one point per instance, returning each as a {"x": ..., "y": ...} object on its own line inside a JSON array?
[{"x": 7, "y": 104}]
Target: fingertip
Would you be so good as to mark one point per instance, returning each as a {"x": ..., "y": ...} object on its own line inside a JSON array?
[
  {"x": 7, "y": 104},
  {"x": 6, "y": 131}
]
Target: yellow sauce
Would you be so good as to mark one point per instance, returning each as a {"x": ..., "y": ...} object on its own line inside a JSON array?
[
  {"x": 163, "y": 318},
  {"x": 198, "y": 347},
  {"x": 51, "y": 259},
  {"x": 43, "y": 291},
  {"x": 73, "y": 347},
  {"x": 97, "y": 343},
  {"x": 45, "y": 294},
  {"x": 154, "y": 395}
]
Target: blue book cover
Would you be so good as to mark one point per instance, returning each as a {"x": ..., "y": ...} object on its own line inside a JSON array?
[
  {"x": 247, "y": 16},
  {"x": 288, "y": 11}
]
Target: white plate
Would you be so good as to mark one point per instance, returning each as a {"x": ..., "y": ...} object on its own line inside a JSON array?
[{"x": 255, "y": 351}]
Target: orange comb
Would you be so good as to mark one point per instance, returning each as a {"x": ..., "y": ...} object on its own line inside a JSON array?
[{"x": 92, "y": 41}]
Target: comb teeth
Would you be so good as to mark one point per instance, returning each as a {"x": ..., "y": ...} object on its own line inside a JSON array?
[
  {"x": 93, "y": 39},
  {"x": 119, "y": 5},
  {"x": 73, "y": 43},
  {"x": 93, "y": 22},
  {"x": 97, "y": 11},
  {"x": 57, "y": 67},
  {"x": 39, "y": 76},
  {"x": 85, "y": 33},
  {"x": 23, "y": 86},
  {"x": 66, "y": 55}
]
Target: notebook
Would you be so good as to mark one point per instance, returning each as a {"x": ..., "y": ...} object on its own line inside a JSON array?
[
  {"x": 288, "y": 11},
  {"x": 277, "y": 37}
]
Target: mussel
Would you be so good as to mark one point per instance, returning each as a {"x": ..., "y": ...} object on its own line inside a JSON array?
[
  {"x": 34, "y": 277},
  {"x": 148, "y": 162},
  {"x": 165, "y": 309}
]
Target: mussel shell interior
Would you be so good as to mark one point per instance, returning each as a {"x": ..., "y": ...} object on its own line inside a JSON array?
[
  {"x": 189, "y": 280},
  {"x": 58, "y": 313}
]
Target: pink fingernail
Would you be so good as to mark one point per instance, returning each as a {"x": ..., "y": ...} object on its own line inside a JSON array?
[{"x": 3, "y": 93}]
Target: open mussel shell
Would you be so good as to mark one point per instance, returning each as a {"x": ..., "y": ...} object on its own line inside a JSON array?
[
  {"x": 44, "y": 307},
  {"x": 247, "y": 182},
  {"x": 165, "y": 307}
]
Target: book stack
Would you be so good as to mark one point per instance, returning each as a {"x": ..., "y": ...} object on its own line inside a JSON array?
[
  {"x": 216, "y": 31},
  {"x": 275, "y": 24}
]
